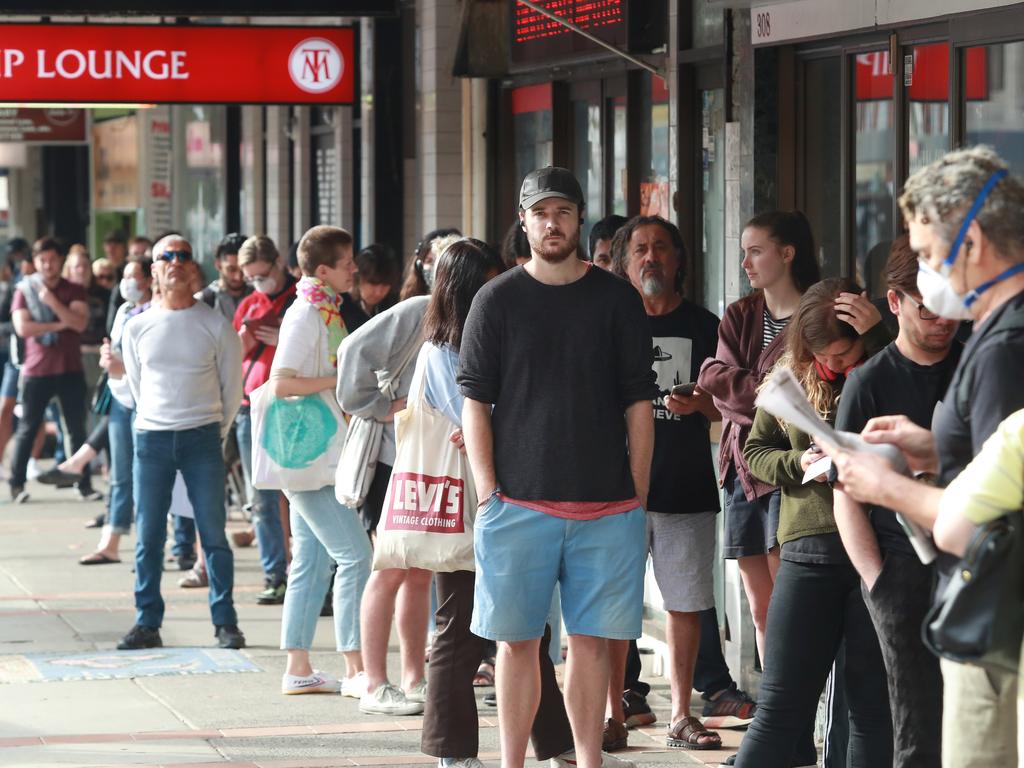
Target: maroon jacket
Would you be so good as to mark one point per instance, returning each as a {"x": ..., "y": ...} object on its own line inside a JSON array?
[{"x": 732, "y": 377}]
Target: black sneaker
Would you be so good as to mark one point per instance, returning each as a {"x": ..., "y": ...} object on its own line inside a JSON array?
[
  {"x": 491, "y": 699},
  {"x": 97, "y": 522},
  {"x": 140, "y": 637},
  {"x": 18, "y": 494},
  {"x": 273, "y": 593},
  {"x": 58, "y": 477},
  {"x": 88, "y": 494},
  {"x": 638, "y": 713},
  {"x": 186, "y": 562},
  {"x": 229, "y": 636}
]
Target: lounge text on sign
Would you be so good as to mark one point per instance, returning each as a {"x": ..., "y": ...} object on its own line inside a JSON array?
[{"x": 176, "y": 64}]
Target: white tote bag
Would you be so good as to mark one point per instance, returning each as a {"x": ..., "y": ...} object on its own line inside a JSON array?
[
  {"x": 296, "y": 441},
  {"x": 430, "y": 506}
]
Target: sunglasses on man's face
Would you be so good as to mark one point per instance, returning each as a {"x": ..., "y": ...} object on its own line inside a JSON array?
[
  {"x": 179, "y": 256},
  {"x": 105, "y": 277}
]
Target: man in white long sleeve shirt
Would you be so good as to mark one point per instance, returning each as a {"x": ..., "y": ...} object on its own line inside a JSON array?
[{"x": 183, "y": 364}]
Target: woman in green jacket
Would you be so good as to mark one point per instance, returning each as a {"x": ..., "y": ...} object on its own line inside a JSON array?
[{"x": 817, "y": 603}]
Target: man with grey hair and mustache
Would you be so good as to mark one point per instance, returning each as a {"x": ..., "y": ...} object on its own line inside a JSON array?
[
  {"x": 683, "y": 498},
  {"x": 183, "y": 364}
]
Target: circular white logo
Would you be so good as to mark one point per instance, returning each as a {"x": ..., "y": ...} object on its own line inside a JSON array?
[{"x": 316, "y": 65}]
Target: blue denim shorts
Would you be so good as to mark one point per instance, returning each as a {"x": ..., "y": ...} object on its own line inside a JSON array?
[
  {"x": 521, "y": 554},
  {"x": 9, "y": 384}
]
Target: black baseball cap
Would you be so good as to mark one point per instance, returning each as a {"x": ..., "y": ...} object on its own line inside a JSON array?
[{"x": 551, "y": 181}]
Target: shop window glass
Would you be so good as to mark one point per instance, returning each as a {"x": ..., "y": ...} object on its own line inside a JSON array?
[
  {"x": 587, "y": 160},
  {"x": 822, "y": 167},
  {"x": 926, "y": 82},
  {"x": 531, "y": 126},
  {"x": 654, "y": 197},
  {"x": 994, "y": 85},
  {"x": 874, "y": 169},
  {"x": 200, "y": 173},
  {"x": 619, "y": 176},
  {"x": 713, "y": 200}
]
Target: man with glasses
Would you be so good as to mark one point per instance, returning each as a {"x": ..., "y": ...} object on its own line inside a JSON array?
[
  {"x": 908, "y": 377},
  {"x": 258, "y": 322},
  {"x": 186, "y": 395},
  {"x": 229, "y": 289}
]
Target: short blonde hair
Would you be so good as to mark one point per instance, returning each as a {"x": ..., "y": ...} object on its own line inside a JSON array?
[{"x": 258, "y": 248}]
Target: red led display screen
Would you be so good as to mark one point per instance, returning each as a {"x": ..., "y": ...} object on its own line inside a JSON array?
[{"x": 537, "y": 38}]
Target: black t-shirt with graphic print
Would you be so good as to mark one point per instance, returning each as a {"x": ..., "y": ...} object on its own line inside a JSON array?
[{"x": 683, "y": 468}]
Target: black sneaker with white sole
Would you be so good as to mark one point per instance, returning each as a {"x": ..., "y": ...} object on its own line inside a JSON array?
[
  {"x": 140, "y": 637},
  {"x": 229, "y": 636}
]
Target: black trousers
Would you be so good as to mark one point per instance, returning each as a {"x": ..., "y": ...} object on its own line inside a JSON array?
[
  {"x": 37, "y": 392},
  {"x": 813, "y": 609},
  {"x": 449, "y": 719},
  {"x": 898, "y": 603},
  {"x": 711, "y": 674}
]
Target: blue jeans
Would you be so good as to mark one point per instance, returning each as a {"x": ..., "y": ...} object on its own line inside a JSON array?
[
  {"x": 265, "y": 511},
  {"x": 324, "y": 531},
  {"x": 119, "y": 438},
  {"x": 184, "y": 536},
  {"x": 159, "y": 455}
]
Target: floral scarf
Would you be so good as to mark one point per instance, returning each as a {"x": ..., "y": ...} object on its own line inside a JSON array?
[{"x": 328, "y": 304}]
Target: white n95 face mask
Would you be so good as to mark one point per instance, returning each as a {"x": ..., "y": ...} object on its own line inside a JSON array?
[
  {"x": 265, "y": 284},
  {"x": 936, "y": 292},
  {"x": 938, "y": 295}
]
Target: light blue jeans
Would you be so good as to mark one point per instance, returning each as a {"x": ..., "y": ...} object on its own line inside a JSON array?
[{"x": 323, "y": 530}]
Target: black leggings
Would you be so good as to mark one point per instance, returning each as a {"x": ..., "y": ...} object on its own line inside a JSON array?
[{"x": 813, "y": 609}]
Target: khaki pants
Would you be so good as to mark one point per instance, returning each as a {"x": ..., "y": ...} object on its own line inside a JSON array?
[{"x": 979, "y": 720}]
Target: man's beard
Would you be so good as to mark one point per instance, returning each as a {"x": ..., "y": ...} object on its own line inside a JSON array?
[
  {"x": 557, "y": 252},
  {"x": 652, "y": 284}
]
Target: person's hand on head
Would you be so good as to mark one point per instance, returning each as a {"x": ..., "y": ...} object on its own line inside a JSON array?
[{"x": 858, "y": 311}]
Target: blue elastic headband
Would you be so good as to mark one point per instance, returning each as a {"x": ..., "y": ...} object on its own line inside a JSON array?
[{"x": 978, "y": 202}]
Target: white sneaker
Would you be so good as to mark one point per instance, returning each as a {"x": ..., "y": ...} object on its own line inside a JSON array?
[
  {"x": 418, "y": 692},
  {"x": 354, "y": 687},
  {"x": 459, "y": 762},
  {"x": 388, "y": 699},
  {"x": 33, "y": 470},
  {"x": 568, "y": 760},
  {"x": 318, "y": 682}
]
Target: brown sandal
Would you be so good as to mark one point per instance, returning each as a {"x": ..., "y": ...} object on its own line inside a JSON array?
[{"x": 688, "y": 732}]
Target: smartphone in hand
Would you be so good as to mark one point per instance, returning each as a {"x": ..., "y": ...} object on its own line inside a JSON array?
[{"x": 684, "y": 390}]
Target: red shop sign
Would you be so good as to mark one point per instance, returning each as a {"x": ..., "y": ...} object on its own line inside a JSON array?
[{"x": 176, "y": 64}]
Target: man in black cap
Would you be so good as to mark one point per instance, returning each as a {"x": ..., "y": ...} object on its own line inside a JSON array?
[{"x": 562, "y": 497}]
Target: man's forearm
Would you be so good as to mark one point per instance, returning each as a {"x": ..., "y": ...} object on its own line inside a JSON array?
[
  {"x": 69, "y": 317},
  {"x": 858, "y": 537},
  {"x": 30, "y": 328},
  {"x": 640, "y": 433},
  {"x": 479, "y": 439}
]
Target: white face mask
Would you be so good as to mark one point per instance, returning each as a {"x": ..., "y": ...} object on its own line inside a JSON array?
[
  {"x": 264, "y": 284},
  {"x": 937, "y": 294},
  {"x": 130, "y": 290}
]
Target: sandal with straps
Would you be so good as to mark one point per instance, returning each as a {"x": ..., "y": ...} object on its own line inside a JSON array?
[
  {"x": 688, "y": 732},
  {"x": 484, "y": 677}
]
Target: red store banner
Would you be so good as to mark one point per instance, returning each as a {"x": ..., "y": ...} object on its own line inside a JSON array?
[{"x": 111, "y": 63}]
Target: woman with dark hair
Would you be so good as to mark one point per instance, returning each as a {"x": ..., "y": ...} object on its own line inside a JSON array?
[
  {"x": 378, "y": 278},
  {"x": 780, "y": 262},
  {"x": 419, "y": 274},
  {"x": 816, "y": 603},
  {"x": 515, "y": 248}
]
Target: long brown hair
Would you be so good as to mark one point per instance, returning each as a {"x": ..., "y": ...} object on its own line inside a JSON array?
[
  {"x": 815, "y": 326},
  {"x": 460, "y": 271}
]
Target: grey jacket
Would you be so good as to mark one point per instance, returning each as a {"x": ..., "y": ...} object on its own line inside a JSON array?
[{"x": 370, "y": 355}]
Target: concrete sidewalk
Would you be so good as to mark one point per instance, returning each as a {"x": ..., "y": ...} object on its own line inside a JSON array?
[{"x": 49, "y": 604}]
